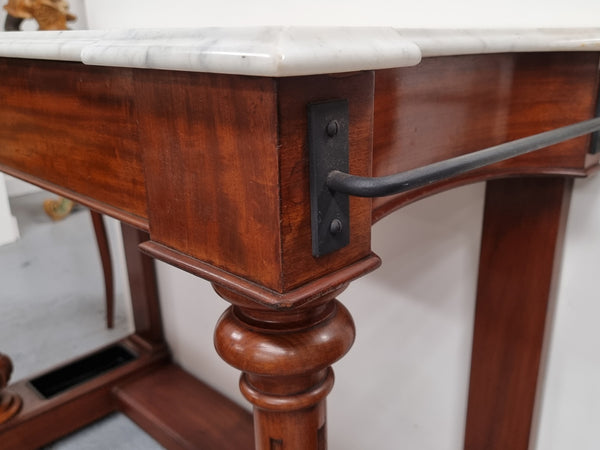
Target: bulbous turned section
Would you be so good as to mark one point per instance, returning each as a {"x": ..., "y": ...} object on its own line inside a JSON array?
[
  {"x": 10, "y": 403},
  {"x": 285, "y": 357},
  {"x": 277, "y": 351}
]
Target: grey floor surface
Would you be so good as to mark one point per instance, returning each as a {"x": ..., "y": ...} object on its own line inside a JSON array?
[{"x": 52, "y": 309}]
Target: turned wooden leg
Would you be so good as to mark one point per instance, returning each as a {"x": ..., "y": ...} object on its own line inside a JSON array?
[
  {"x": 285, "y": 357},
  {"x": 524, "y": 224},
  {"x": 10, "y": 403}
]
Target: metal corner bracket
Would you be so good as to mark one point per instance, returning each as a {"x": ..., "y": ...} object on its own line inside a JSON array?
[{"x": 328, "y": 150}]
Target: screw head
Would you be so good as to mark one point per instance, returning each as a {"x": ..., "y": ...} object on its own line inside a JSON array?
[
  {"x": 336, "y": 226},
  {"x": 332, "y": 128}
]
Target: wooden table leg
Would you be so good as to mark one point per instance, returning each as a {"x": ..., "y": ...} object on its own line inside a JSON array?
[
  {"x": 524, "y": 223},
  {"x": 10, "y": 403},
  {"x": 143, "y": 287},
  {"x": 285, "y": 357}
]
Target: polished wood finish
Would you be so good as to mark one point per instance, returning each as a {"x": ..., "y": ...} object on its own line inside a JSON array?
[
  {"x": 98, "y": 158},
  {"x": 449, "y": 106},
  {"x": 253, "y": 294},
  {"x": 215, "y": 167},
  {"x": 141, "y": 273},
  {"x": 237, "y": 194},
  {"x": 285, "y": 360},
  {"x": 523, "y": 229},
  {"x": 197, "y": 418},
  {"x": 216, "y": 139},
  {"x": 104, "y": 250},
  {"x": 298, "y": 264}
]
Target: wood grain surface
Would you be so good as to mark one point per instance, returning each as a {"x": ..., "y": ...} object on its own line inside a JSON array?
[
  {"x": 227, "y": 170},
  {"x": 449, "y": 106},
  {"x": 181, "y": 412},
  {"x": 521, "y": 249},
  {"x": 73, "y": 126}
]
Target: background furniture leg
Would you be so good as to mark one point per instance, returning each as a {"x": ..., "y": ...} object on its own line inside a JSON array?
[
  {"x": 523, "y": 229},
  {"x": 104, "y": 249}
]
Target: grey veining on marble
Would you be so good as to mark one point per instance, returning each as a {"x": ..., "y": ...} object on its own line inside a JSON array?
[
  {"x": 284, "y": 51},
  {"x": 258, "y": 51}
]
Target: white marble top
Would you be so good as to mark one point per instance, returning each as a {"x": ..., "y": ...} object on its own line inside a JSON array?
[{"x": 284, "y": 51}]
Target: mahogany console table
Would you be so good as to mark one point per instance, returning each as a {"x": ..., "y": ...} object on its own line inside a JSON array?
[{"x": 223, "y": 153}]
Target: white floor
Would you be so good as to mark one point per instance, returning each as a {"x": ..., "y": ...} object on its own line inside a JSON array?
[{"x": 52, "y": 309}]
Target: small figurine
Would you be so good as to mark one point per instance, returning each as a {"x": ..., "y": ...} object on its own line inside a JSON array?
[{"x": 49, "y": 14}]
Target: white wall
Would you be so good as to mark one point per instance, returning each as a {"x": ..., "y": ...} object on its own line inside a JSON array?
[
  {"x": 570, "y": 400},
  {"x": 422, "y": 13},
  {"x": 404, "y": 383}
]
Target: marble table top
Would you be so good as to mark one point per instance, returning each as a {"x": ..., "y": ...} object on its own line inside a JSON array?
[{"x": 284, "y": 51}]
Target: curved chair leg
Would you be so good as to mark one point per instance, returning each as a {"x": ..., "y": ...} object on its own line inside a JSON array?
[
  {"x": 58, "y": 209},
  {"x": 102, "y": 241}
]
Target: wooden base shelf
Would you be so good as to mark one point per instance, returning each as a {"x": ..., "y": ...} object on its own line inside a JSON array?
[
  {"x": 181, "y": 412},
  {"x": 44, "y": 420},
  {"x": 176, "y": 409}
]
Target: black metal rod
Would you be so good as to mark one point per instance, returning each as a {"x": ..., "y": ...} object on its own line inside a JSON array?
[{"x": 432, "y": 173}]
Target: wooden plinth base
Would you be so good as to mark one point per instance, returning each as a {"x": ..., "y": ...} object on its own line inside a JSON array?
[
  {"x": 181, "y": 412},
  {"x": 41, "y": 421},
  {"x": 172, "y": 406}
]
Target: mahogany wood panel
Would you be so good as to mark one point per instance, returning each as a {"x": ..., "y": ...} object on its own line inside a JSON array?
[
  {"x": 225, "y": 164},
  {"x": 448, "y": 106},
  {"x": 181, "y": 412},
  {"x": 298, "y": 264},
  {"x": 252, "y": 294},
  {"x": 73, "y": 126},
  {"x": 210, "y": 148},
  {"x": 523, "y": 229},
  {"x": 227, "y": 170}
]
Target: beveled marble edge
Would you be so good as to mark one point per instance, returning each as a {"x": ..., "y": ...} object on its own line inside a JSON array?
[{"x": 283, "y": 51}]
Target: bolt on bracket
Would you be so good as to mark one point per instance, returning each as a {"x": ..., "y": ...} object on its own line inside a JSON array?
[{"x": 328, "y": 150}]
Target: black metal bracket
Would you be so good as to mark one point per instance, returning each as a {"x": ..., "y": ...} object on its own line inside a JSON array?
[
  {"x": 328, "y": 151},
  {"x": 331, "y": 184}
]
